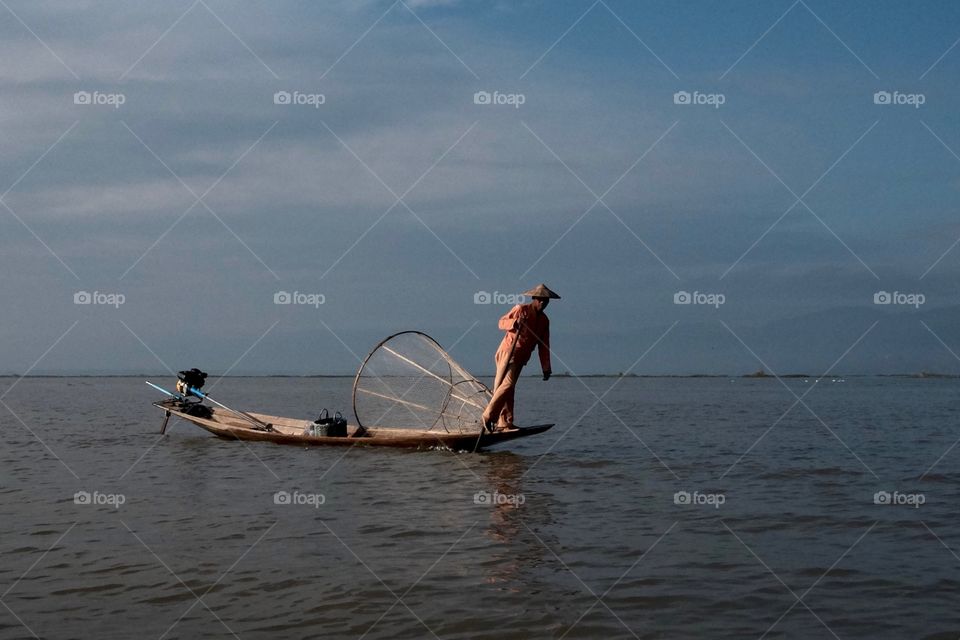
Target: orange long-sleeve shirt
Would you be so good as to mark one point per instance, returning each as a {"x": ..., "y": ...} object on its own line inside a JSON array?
[{"x": 534, "y": 333}]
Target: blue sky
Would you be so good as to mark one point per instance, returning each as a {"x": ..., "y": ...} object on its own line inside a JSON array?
[{"x": 495, "y": 198}]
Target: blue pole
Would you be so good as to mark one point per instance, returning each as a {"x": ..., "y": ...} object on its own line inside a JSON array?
[{"x": 161, "y": 389}]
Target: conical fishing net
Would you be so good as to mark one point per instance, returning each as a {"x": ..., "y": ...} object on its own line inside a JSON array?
[{"x": 408, "y": 381}]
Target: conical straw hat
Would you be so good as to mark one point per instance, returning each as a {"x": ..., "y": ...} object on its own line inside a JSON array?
[{"x": 541, "y": 291}]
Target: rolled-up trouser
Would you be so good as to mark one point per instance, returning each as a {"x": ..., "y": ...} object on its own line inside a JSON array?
[{"x": 501, "y": 404}]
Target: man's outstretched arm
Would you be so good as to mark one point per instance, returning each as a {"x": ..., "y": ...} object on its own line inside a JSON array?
[{"x": 543, "y": 350}]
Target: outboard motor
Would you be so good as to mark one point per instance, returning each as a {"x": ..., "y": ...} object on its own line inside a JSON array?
[{"x": 192, "y": 379}]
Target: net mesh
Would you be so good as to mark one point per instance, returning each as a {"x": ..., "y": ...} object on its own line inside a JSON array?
[{"x": 408, "y": 381}]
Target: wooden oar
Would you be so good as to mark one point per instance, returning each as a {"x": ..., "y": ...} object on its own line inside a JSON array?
[{"x": 257, "y": 423}]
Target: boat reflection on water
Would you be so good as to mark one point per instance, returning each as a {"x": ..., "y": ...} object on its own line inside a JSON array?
[{"x": 513, "y": 515}]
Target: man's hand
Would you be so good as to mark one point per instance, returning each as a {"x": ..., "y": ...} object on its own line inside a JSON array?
[{"x": 546, "y": 375}]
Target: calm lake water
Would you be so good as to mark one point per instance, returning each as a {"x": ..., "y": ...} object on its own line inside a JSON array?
[{"x": 785, "y": 541}]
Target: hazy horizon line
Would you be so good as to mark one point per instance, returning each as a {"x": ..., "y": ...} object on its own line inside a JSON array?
[{"x": 754, "y": 375}]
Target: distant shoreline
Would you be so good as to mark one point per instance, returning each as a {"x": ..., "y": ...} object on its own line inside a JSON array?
[{"x": 748, "y": 376}]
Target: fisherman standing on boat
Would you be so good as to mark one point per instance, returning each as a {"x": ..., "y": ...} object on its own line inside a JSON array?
[{"x": 527, "y": 327}]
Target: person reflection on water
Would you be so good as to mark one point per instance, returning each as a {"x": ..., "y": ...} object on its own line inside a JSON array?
[
  {"x": 509, "y": 553},
  {"x": 527, "y": 327}
]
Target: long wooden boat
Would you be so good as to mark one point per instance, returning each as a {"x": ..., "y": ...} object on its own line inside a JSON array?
[{"x": 280, "y": 430}]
